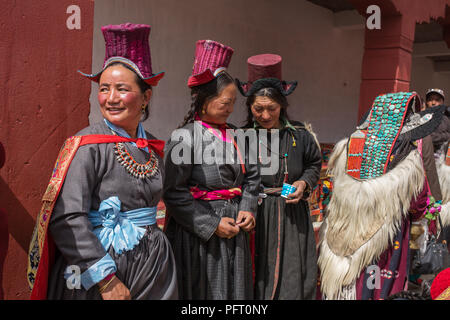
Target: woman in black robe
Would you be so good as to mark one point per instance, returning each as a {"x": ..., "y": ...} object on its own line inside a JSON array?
[
  {"x": 285, "y": 248},
  {"x": 210, "y": 204}
]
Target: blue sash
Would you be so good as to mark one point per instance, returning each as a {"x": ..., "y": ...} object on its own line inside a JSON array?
[{"x": 120, "y": 229}]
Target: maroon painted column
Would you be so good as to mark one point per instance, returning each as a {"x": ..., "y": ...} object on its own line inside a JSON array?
[
  {"x": 43, "y": 101},
  {"x": 387, "y": 58},
  {"x": 386, "y": 65}
]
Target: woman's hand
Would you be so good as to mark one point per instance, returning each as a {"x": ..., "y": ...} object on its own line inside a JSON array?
[
  {"x": 296, "y": 196},
  {"x": 227, "y": 228},
  {"x": 246, "y": 220},
  {"x": 116, "y": 290}
]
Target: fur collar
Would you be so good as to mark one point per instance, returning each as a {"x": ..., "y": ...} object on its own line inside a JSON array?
[{"x": 360, "y": 224}]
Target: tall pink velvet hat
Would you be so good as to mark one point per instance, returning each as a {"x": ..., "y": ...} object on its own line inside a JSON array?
[
  {"x": 128, "y": 43},
  {"x": 264, "y": 70},
  {"x": 211, "y": 57}
]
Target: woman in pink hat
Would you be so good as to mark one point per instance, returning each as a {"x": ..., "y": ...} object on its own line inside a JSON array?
[
  {"x": 285, "y": 248},
  {"x": 210, "y": 204},
  {"x": 96, "y": 236}
]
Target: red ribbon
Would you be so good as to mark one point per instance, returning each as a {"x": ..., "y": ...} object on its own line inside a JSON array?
[{"x": 153, "y": 144}]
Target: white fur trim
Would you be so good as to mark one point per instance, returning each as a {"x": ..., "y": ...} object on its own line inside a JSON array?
[{"x": 357, "y": 206}]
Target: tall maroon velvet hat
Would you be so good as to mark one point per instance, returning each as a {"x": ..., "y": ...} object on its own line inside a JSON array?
[
  {"x": 264, "y": 70},
  {"x": 211, "y": 58},
  {"x": 128, "y": 43}
]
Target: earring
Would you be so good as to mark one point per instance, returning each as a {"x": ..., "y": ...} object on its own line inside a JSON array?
[
  {"x": 143, "y": 108},
  {"x": 203, "y": 111}
]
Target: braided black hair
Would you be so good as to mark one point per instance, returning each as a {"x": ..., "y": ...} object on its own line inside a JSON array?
[
  {"x": 200, "y": 95},
  {"x": 271, "y": 93}
]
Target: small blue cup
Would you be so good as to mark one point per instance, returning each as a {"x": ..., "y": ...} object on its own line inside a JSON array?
[{"x": 287, "y": 190}]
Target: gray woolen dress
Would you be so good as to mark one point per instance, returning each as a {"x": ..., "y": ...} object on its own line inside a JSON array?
[{"x": 148, "y": 269}]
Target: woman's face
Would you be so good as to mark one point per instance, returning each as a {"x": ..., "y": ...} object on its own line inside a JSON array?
[
  {"x": 121, "y": 99},
  {"x": 218, "y": 109},
  {"x": 266, "y": 112}
]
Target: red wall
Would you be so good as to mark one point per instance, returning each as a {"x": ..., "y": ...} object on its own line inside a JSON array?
[
  {"x": 387, "y": 59},
  {"x": 43, "y": 101}
]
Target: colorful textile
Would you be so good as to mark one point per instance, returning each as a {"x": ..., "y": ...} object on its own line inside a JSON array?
[
  {"x": 355, "y": 153},
  {"x": 120, "y": 229},
  {"x": 224, "y": 194},
  {"x": 155, "y": 145},
  {"x": 41, "y": 250},
  {"x": 445, "y": 295},
  {"x": 321, "y": 193},
  {"x": 440, "y": 288}
]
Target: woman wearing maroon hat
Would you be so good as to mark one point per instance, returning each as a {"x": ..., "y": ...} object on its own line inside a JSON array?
[
  {"x": 210, "y": 204},
  {"x": 96, "y": 236},
  {"x": 285, "y": 248}
]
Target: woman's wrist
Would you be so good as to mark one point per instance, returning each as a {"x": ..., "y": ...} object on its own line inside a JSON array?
[
  {"x": 105, "y": 286},
  {"x": 106, "y": 279}
]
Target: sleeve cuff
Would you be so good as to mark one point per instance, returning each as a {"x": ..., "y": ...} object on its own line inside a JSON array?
[
  {"x": 98, "y": 272},
  {"x": 249, "y": 204},
  {"x": 207, "y": 232}
]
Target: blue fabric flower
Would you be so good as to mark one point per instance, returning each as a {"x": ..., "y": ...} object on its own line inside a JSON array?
[{"x": 120, "y": 229}]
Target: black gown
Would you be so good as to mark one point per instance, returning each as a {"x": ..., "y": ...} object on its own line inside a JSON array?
[
  {"x": 285, "y": 247},
  {"x": 208, "y": 267}
]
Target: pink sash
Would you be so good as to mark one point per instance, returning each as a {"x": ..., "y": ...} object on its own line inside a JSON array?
[{"x": 224, "y": 194}]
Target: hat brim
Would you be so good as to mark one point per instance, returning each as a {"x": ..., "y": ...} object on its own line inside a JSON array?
[
  {"x": 201, "y": 78},
  {"x": 152, "y": 81},
  {"x": 430, "y": 126},
  {"x": 285, "y": 87}
]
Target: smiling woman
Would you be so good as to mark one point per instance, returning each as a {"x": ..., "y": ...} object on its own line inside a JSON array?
[
  {"x": 103, "y": 214},
  {"x": 122, "y": 100}
]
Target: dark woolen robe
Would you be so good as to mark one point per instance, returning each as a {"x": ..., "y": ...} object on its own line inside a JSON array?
[
  {"x": 441, "y": 135},
  {"x": 208, "y": 267},
  {"x": 285, "y": 247},
  {"x": 148, "y": 270}
]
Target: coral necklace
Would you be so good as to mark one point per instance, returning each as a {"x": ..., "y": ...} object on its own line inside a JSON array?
[{"x": 136, "y": 169}]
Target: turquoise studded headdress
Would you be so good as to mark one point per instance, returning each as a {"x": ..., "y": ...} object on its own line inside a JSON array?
[{"x": 370, "y": 147}]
